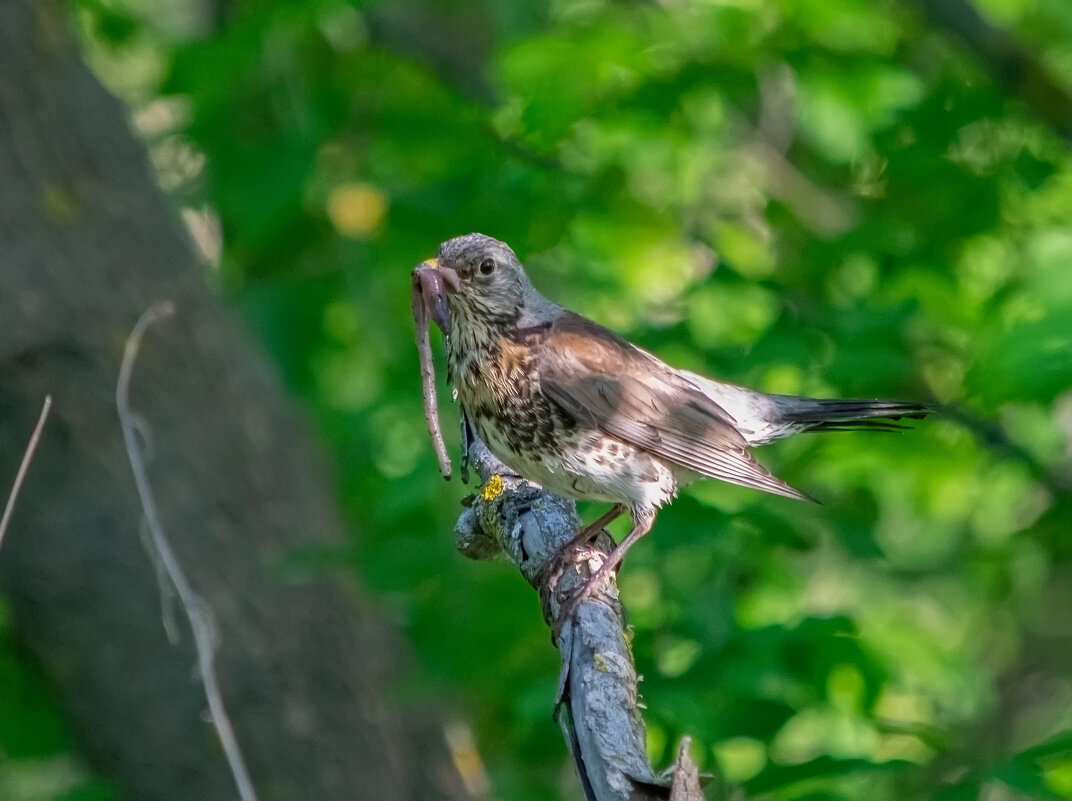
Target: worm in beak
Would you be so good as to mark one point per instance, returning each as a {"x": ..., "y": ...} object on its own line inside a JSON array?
[{"x": 430, "y": 303}]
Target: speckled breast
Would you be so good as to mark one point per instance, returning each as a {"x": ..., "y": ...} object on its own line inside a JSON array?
[{"x": 498, "y": 385}]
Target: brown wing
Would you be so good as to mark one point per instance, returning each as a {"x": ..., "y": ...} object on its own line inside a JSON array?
[{"x": 605, "y": 382}]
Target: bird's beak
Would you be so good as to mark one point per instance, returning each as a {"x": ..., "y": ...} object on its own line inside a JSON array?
[
  {"x": 432, "y": 283},
  {"x": 450, "y": 277}
]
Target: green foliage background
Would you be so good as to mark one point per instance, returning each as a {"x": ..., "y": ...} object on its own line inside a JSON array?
[{"x": 823, "y": 197}]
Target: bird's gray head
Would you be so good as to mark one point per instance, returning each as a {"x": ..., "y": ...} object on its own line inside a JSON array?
[{"x": 486, "y": 284}]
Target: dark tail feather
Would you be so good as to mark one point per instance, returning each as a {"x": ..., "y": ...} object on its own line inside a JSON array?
[{"x": 852, "y": 415}]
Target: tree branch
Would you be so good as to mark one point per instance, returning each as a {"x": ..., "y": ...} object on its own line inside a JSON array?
[{"x": 596, "y": 706}]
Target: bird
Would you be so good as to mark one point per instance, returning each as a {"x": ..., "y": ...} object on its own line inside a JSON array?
[{"x": 587, "y": 415}]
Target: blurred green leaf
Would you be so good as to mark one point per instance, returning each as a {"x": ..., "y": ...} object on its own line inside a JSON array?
[
  {"x": 31, "y": 726},
  {"x": 777, "y": 777}
]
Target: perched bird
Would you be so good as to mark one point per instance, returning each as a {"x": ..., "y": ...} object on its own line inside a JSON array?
[{"x": 577, "y": 409}]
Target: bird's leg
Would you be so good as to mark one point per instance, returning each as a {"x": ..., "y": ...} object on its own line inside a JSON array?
[
  {"x": 642, "y": 523},
  {"x": 643, "y": 520},
  {"x": 589, "y": 532}
]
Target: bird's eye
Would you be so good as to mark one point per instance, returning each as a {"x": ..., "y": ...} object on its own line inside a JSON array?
[{"x": 487, "y": 267}]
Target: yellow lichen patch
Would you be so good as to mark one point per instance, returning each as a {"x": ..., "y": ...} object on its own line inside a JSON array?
[{"x": 493, "y": 489}]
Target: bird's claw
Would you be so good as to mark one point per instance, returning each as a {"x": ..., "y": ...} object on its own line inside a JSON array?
[{"x": 570, "y": 600}]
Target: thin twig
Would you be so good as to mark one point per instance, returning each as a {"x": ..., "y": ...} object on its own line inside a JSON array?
[
  {"x": 197, "y": 611},
  {"x": 27, "y": 457}
]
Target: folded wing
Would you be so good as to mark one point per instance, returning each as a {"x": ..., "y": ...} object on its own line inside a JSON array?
[{"x": 604, "y": 382}]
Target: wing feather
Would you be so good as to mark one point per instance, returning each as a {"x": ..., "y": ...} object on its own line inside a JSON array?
[{"x": 604, "y": 382}]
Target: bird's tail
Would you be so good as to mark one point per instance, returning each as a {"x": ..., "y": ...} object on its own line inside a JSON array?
[
  {"x": 761, "y": 417},
  {"x": 810, "y": 414}
]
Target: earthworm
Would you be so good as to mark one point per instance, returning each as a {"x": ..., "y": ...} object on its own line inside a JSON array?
[{"x": 430, "y": 303}]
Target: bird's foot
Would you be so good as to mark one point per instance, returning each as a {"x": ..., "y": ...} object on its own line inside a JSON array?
[
  {"x": 595, "y": 586},
  {"x": 608, "y": 567}
]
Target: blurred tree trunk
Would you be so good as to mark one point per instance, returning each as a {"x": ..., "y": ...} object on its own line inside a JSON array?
[{"x": 87, "y": 242}]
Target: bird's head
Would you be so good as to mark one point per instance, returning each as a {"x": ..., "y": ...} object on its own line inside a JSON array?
[{"x": 485, "y": 284}]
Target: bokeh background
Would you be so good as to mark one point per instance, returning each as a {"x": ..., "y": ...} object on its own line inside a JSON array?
[{"x": 823, "y": 197}]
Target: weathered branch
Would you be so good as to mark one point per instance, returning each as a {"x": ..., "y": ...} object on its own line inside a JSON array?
[{"x": 597, "y": 698}]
